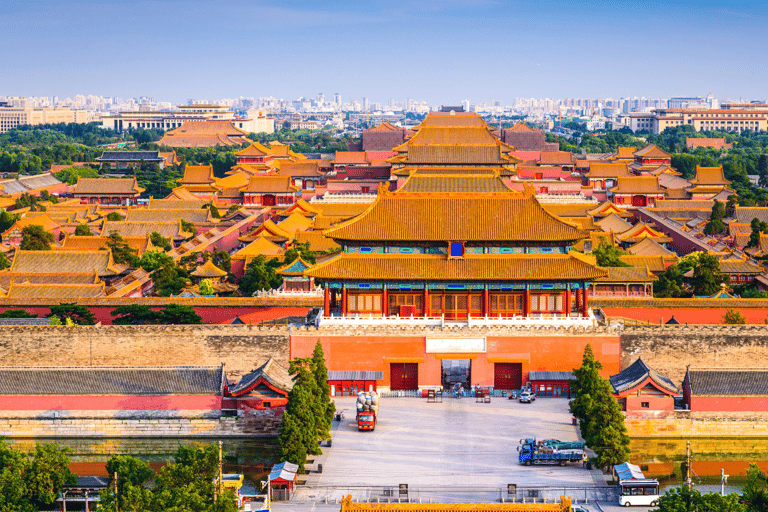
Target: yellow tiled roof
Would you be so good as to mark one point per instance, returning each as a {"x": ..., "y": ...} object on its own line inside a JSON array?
[
  {"x": 64, "y": 261},
  {"x": 347, "y": 210},
  {"x": 176, "y": 204},
  {"x": 601, "y": 170},
  {"x": 473, "y": 267},
  {"x": 424, "y": 182},
  {"x": 208, "y": 269},
  {"x": 317, "y": 241},
  {"x": 196, "y": 174},
  {"x": 710, "y": 176},
  {"x": 637, "y": 185},
  {"x": 182, "y": 193},
  {"x": 270, "y": 185},
  {"x": 95, "y": 243},
  {"x": 455, "y": 217},
  {"x": 197, "y": 215},
  {"x": 295, "y": 222},
  {"x": 55, "y": 291},
  {"x": 607, "y": 208},
  {"x": 654, "y": 263},
  {"x": 627, "y": 275},
  {"x": 7, "y": 277},
  {"x": 124, "y": 228},
  {"x": 649, "y": 247},
  {"x": 45, "y": 221},
  {"x": 652, "y": 151},
  {"x": 119, "y": 186},
  {"x": 259, "y": 246},
  {"x": 642, "y": 230},
  {"x": 614, "y": 223}
]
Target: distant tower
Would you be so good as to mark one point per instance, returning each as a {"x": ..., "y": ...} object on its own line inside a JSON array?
[
  {"x": 365, "y": 104},
  {"x": 320, "y": 99},
  {"x": 337, "y": 99}
]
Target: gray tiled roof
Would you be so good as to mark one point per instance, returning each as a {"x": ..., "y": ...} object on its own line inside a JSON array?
[
  {"x": 355, "y": 375},
  {"x": 635, "y": 373},
  {"x": 25, "y": 321},
  {"x": 131, "y": 156},
  {"x": 275, "y": 374},
  {"x": 728, "y": 381},
  {"x": 543, "y": 375},
  {"x": 95, "y": 380}
]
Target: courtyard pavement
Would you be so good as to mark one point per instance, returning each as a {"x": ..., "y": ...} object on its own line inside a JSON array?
[{"x": 454, "y": 451}]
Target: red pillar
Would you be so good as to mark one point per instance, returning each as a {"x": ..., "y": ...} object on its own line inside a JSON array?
[
  {"x": 567, "y": 302},
  {"x": 486, "y": 301},
  {"x": 585, "y": 306},
  {"x": 527, "y": 304},
  {"x": 426, "y": 301},
  {"x": 327, "y": 302},
  {"x": 384, "y": 301},
  {"x": 578, "y": 300},
  {"x": 344, "y": 300}
]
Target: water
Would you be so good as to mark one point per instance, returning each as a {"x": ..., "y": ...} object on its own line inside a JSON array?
[
  {"x": 662, "y": 458},
  {"x": 252, "y": 457}
]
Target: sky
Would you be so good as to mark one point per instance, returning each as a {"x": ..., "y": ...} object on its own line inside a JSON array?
[{"x": 439, "y": 51}]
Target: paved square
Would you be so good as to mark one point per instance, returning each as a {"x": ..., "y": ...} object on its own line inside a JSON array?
[{"x": 456, "y": 443}]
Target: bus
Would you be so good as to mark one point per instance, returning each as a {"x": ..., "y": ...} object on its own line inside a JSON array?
[{"x": 639, "y": 491}]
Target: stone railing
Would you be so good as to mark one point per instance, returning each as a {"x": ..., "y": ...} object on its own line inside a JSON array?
[{"x": 441, "y": 321}]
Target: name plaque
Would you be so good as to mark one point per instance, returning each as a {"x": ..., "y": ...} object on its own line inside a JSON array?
[{"x": 455, "y": 345}]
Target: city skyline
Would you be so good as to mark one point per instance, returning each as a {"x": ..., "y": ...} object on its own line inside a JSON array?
[{"x": 441, "y": 54}]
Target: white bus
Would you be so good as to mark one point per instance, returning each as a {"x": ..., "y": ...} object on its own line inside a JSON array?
[{"x": 639, "y": 491}]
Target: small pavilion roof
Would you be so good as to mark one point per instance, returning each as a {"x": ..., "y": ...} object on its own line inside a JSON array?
[
  {"x": 710, "y": 176},
  {"x": 295, "y": 268},
  {"x": 614, "y": 223},
  {"x": 649, "y": 247},
  {"x": 607, "y": 208},
  {"x": 295, "y": 222},
  {"x": 652, "y": 151},
  {"x": 624, "y": 153},
  {"x": 196, "y": 174},
  {"x": 642, "y": 230},
  {"x": 44, "y": 220},
  {"x": 635, "y": 374},
  {"x": 274, "y": 374},
  {"x": 208, "y": 269},
  {"x": 258, "y": 247},
  {"x": 385, "y": 126}
]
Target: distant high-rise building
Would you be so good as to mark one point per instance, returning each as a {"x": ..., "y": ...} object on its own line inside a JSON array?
[{"x": 337, "y": 99}]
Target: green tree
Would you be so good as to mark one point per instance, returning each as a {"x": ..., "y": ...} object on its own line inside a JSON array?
[
  {"x": 730, "y": 207},
  {"x": 189, "y": 227},
  {"x": 608, "y": 256},
  {"x": 290, "y": 438},
  {"x": 260, "y": 275},
  {"x": 205, "y": 287},
  {"x": 671, "y": 283},
  {"x": 755, "y": 490},
  {"x": 757, "y": 227},
  {"x": 35, "y": 238},
  {"x": 122, "y": 253},
  {"x": 16, "y": 313},
  {"x": 214, "y": 211},
  {"x": 707, "y": 277},
  {"x": 77, "y": 314},
  {"x": 114, "y": 217},
  {"x": 4, "y": 261},
  {"x": 714, "y": 227},
  {"x": 152, "y": 260},
  {"x": 159, "y": 240},
  {"x": 299, "y": 249},
  {"x": 7, "y": 220},
  {"x": 169, "y": 279},
  {"x": 70, "y": 175},
  {"x": 134, "y": 314},
  {"x": 177, "y": 314},
  {"x": 733, "y": 317},
  {"x": 762, "y": 171},
  {"x": 683, "y": 499},
  {"x": 584, "y": 387},
  {"x": 320, "y": 372},
  {"x": 47, "y": 473},
  {"x": 83, "y": 230},
  {"x": 608, "y": 436}
]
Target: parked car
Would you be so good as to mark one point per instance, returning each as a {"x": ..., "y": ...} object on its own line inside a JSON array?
[
  {"x": 579, "y": 508},
  {"x": 527, "y": 397}
]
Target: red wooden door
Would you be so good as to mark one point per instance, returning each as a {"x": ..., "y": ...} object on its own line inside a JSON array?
[
  {"x": 404, "y": 375},
  {"x": 507, "y": 375}
]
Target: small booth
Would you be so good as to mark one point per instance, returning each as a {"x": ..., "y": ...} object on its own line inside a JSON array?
[
  {"x": 84, "y": 495},
  {"x": 350, "y": 383},
  {"x": 555, "y": 384},
  {"x": 282, "y": 480}
]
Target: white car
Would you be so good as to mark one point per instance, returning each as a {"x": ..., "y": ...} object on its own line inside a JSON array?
[{"x": 527, "y": 397}]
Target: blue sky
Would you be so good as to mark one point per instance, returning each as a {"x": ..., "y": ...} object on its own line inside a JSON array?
[{"x": 438, "y": 51}]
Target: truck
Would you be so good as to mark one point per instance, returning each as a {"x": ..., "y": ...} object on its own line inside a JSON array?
[
  {"x": 550, "y": 451},
  {"x": 367, "y": 410}
]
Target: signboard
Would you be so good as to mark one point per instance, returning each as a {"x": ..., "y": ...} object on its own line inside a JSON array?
[
  {"x": 403, "y": 489},
  {"x": 455, "y": 345},
  {"x": 511, "y": 489}
]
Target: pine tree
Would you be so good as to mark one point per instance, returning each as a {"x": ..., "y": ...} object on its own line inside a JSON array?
[
  {"x": 608, "y": 433},
  {"x": 762, "y": 171},
  {"x": 320, "y": 372},
  {"x": 291, "y": 440},
  {"x": 302, "y": 403}
]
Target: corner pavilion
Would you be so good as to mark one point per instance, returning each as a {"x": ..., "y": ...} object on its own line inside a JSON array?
[{"x": 455, "y": 255}]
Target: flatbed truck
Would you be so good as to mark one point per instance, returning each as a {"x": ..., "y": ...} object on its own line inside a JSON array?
[{"x": 531, "y": 452}]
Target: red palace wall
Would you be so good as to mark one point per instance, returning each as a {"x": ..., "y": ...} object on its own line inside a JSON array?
[
  {"x": 110, "y": 403},
  {"x": 691, "y": 316},
  {"x": 728, "y": 403},
  {"x": 535, "y": 352},
  {"x": 210, "y": 315}
]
